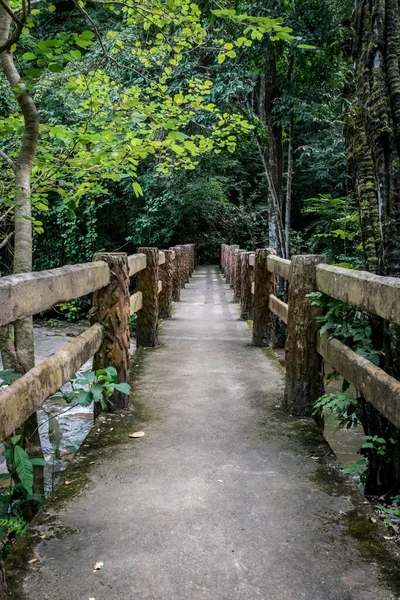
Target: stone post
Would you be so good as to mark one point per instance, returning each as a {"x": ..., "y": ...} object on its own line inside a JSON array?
[
  {"x": 246, "y": 305},
  {"x": 232, "y": 264},
  {"x": 176, "y": 278},
  {"x": 111, "y": 308},
  {"x": 226, "y": 265},
  {"x": 264, "y": 321},
  {"x": 237, "y": 290},
  {"x": 147, "y": 317},
  {"x": 166, "y": 275},
  {"x": 304, "y": 379}
]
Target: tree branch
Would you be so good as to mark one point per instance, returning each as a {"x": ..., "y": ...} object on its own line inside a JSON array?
[
  {"x": 7, "y": 159},
  {"x": 6, "y": 239},
  {"x": 6, "y": 214},
  {"x": 8, "y": 9}
]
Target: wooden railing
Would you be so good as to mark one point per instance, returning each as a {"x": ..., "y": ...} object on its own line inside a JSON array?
[
  {"x": 255, "y": 275},
  {"x": 159, "y": 277}
]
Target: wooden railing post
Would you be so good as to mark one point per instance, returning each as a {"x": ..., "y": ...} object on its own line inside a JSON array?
[
  {"x": 111, "y": 308},
  {"x": 166, "y": 275},
  {"x": 304, "y": 380},
  {"x": 246, "y": 304},
  {"x": 232, "y": 264},
  {"x": 222, "y": 258},
  {"x": 176, "y": 277},
  {"x": 237, "y": 290},
  {"x": 147, "y": 317},
  {"x": 227, "y": 266},
  {"x": 187, "y": 251},
  {"x": 264, "y": 321}
]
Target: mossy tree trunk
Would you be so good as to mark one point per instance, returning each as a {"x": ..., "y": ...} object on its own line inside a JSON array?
[{"x": 373, "y": 141}]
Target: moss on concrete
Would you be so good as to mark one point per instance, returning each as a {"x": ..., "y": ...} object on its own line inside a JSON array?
[{"x": 109, "y": 430}]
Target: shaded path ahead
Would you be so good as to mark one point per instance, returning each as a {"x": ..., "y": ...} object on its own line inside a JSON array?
[{"x": 220, "y": 500}]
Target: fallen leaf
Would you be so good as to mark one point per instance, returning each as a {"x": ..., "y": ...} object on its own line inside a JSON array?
[
  {"x": 42, "y": 537},
  {"x": 67, "y": 482},
  {"x": 137, "y": 434},
  {"x": 98, "y": 566},
  {"x": 32, "y": 561}
]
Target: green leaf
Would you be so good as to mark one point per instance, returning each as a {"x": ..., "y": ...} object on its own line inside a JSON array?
[
  {"x": 76, "y": 54},
  {"x": 15, "y": 439},
  {"x": 137, "y": 189},
  {"x": 29, "y": 56},
  {"x": 55, "y": 67},
  {"x": 24, "y": 468},
  {"x": 112, "y": 372},
  {"x": 38, "y": 462},
  {"x": 84, "y": 398},
  {"x": 125, "y": 388}
]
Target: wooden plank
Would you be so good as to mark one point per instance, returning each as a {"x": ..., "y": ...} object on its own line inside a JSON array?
[
  {"x": 280, "y": 266},
  {"x": 26, "y": 294},
  {"x": 253, "y": 287},
  {"x": 161, "y": 257},
  {"x": 252, "y": 259},
  {"x": 279, "y": 308},
  {"x": 379, "y": 388},
  {"x": 159, "y": 286},
  {"x": 27, "y": 394},
  {"x": 136, "y": 302},
  {"x": 379, "y": 295},
  {"x": 136, "y": 262}
]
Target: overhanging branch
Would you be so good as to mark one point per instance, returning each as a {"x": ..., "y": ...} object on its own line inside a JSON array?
[{"x": 8, "y": 160}]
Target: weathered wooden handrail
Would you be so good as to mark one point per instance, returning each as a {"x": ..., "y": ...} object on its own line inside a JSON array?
[
  {"x": 278, "y": 307},
  {"x": 108, "y": 340},
  {"x": 280, "y": 266},
  {"x": 379, "y": 388},
  {"x": 374, "y": 293},
  {"x": 136, "y": 263},
  {"x": 19, "y": 400},
  {"x": 27, "y": 294}
]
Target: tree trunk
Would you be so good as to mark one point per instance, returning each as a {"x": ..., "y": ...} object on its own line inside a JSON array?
[
  {"x": 373, "y": 141},
  {"x": 268, "y": 94},
  {"x": 23, "y": 329}
]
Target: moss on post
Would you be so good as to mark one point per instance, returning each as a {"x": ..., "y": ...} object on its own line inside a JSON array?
[
  {"x": 176, "y": 280},
  {"x": 232, "y": 264},
  {"x": 304, "y": 380},
  {"x": 147, "y": 317},
  {"x": 264, "y": 320},
  {"x": 246, "y": 305},
  {"x": 166, "y": 274},
  {"x": 237, "y": 290},
  {"x": 111, "y": 308}
]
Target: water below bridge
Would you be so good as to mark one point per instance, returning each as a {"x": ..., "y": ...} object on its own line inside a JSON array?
[{"x": 224, "y": 498}]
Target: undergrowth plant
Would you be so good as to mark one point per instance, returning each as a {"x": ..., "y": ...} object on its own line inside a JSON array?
[
  {"x": 350, "y": 325},
  {"x": 86, "y": 388}
]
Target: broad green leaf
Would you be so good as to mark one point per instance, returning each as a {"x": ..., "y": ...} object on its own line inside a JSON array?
[
  {"x": 24, "y": 468},
  {"x": 55, "y": 67},
  {"x": 125, "y": 388}
]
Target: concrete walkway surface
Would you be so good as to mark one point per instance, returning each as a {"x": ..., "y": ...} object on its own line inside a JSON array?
[{"x": 224, "y": 498}]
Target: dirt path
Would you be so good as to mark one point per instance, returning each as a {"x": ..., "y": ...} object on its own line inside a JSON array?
[{"x": 225, "y": 498}]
